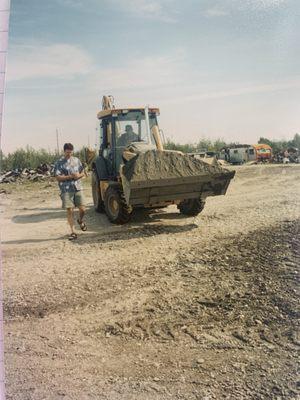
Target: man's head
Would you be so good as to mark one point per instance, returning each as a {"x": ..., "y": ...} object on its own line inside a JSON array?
[
  {"x": 68, "y": 149},
  {"x": 128, "y": 129}
]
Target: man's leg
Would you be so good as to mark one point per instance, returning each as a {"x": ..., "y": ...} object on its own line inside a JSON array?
[
  {"x": 81, "y": 213},
  {"x": 80, "y": 203},
  {"x": 70, "y": 219}
]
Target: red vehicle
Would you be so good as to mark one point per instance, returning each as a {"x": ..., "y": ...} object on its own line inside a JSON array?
[{"x": 263, "y": 152}]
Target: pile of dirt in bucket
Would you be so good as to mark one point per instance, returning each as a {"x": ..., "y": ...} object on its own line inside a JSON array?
[{"x": 154, "y": 164}]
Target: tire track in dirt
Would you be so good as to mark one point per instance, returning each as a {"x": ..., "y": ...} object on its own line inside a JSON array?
[{"x": 211, "y": 284}]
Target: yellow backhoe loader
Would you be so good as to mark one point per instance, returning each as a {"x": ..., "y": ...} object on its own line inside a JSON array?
[{"x": 133, "y": 170}]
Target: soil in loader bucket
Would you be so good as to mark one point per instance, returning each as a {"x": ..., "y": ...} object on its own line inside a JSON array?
[{"x": 154, "y": 176}]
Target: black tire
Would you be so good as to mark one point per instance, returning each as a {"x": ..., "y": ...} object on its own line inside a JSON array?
[
  {"x": 116, "y": 208},
  {"x": 97, "y": 199},
  {"x": 191, "y": 207}
]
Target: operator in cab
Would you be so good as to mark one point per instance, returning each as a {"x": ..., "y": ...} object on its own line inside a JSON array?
[{"x": 128, "y": 137}]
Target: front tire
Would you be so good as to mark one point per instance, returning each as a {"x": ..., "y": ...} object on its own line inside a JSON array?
[
  {"x": 191, "y": 207},
  {"x": 116, "y": 208},
  {"x": 97, "y": 199}
]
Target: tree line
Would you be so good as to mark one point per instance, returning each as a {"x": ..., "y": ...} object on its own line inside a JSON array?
[
  {"x": 32, "y": 158},
  {"x": 218, "y": 144},
  {"x": 279, "y": 145}
]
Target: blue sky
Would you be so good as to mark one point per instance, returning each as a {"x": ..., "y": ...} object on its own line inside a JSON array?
[{"x": 216, "y": 68}]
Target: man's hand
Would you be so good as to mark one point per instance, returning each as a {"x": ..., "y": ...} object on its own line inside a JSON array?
[
  {"x": 63, "y": 178},
  {"x": 77, "y": 175}
]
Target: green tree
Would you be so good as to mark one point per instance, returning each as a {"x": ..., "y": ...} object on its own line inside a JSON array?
[
  {"x": 185, "y": 148},
  {"x": 263, "y": 140},
  {"x": 296, "y": 141}
]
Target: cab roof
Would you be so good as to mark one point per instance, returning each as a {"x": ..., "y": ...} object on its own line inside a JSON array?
[{"x": 106, "y": 113}]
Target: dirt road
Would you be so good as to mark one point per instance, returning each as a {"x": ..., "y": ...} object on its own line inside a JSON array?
[{"x": 162, "y": 308}]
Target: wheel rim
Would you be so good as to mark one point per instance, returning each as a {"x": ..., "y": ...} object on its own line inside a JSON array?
[{"x": 113, "y": 206}]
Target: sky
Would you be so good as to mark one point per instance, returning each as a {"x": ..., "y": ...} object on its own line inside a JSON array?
[{"x": 216, "y": 68}]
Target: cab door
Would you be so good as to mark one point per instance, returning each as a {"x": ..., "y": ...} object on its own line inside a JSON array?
[{"x": 105, "y": 159}]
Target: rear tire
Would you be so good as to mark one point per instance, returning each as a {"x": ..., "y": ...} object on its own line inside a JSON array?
[
  {"x": 116, "y": 208},
  {"x": 191, "y": 207},
  {"x": 97, "y": 199}
]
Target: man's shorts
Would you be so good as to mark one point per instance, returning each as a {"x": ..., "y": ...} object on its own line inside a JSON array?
[{"x": 72, "y": 199}]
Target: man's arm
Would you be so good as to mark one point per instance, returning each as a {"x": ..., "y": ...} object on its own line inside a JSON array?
[
  {"x": 63, "y": 178},
  {"x": 78, "y": 175},
  {"x": 59, "y": 174},
  {"x": 75, "y": 176}
]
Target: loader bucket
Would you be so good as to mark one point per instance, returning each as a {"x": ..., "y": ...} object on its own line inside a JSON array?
[{"x": 156, "y": 177}]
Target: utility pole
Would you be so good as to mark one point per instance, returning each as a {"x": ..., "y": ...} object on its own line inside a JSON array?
[
  {"x": 96, "y": 137},
  {"x": 57, "y": 141}
]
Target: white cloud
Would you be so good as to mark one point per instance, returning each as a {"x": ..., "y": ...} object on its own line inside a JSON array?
[
  {"x": 238, "y": 91},
  {"x": 162, "y": 10},
  {"x": 263, "y": 4},
  {"x": 140, "y": 6},
  {"x": 148, "y": 72},
  {"x": 62, "y": 61},
  {"x": 215, "y": 12},
  {"x": 71, "y": 3},
  {"x": 226, "y": 7}
]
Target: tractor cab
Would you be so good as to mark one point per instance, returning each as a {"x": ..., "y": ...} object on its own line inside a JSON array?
[{"x": 122, "y": 128}]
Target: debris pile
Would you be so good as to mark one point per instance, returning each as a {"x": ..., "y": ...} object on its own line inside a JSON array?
[
  {"x": 290, "y": 155},
  {"x": 42, "y": 172}
]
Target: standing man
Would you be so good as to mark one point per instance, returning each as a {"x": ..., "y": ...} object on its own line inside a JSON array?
[{"x": 69, "y": 171}]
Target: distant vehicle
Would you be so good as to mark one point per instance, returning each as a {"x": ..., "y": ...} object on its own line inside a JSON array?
[
  {"x": 204, "y": 154},
  {"x": 210, "y": 154},
  {"x": 242, "y": 153},
  {"x": 210, "y": 157},
  {"x": 235, "y": 154},
  {"x": 263, "y": 152}
]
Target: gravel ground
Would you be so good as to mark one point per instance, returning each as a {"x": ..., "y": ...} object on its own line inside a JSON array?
[{"x": 165, "y": 307}]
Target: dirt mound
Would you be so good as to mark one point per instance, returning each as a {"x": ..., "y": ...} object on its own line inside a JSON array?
[{"x": 165, "y": 165}]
